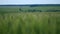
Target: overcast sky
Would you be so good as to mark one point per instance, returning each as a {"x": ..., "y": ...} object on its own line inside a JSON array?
[{"x": 2, "y": 2}]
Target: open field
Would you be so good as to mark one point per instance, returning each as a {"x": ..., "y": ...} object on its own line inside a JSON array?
[
  {"x": 30, "y": 23},
  {"x": 26, "y": 8}
]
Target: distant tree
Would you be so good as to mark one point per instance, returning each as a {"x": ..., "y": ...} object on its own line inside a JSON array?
[
  {"x": 58, "y": 10},
  {"x": 20, "y": 9},
  {"x": 29, "y": 10},
  {"x": 34, "y": 10},
  {"x": 39, "y": 10},
  {"x": 53, "y": 10}
]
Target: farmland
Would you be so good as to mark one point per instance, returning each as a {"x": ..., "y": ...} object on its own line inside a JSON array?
[
  {"x": 29, "y": 19},
  {"x": 30, "y": 23}
]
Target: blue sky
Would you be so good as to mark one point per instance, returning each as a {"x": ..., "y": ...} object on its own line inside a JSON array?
[{"x": 2, "y": 2}]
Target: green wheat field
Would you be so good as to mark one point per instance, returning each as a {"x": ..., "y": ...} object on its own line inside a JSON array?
[{"x": 30, "y": 23}]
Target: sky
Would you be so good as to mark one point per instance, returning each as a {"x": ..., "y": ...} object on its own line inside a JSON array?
[{"x": 4, "y": 2}]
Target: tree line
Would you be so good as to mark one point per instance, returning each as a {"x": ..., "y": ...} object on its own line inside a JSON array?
[
  {"x": 30, "y": 10},
  {"x": 34, "y": 10}
]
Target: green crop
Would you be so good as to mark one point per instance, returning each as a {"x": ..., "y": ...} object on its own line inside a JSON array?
[{"x": 30, "y": 23}]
